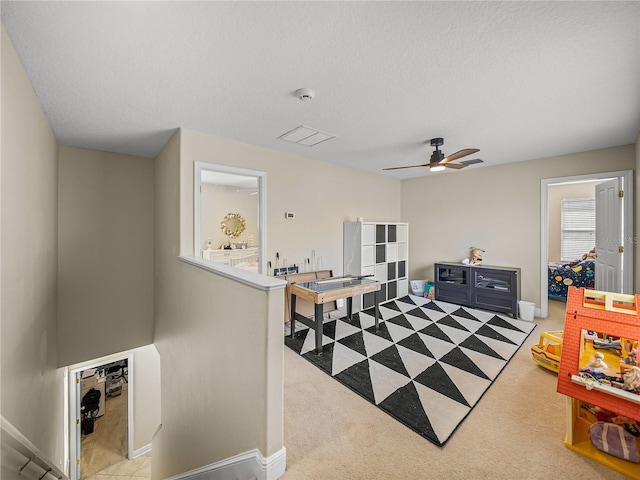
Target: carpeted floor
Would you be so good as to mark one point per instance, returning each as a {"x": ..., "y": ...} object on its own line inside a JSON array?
[
  {"x": 515, "y": 432},
  {"x": 427, "y": 366}
]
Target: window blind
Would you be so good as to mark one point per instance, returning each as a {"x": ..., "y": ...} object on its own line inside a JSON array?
[{"x": 578, "y": 218}]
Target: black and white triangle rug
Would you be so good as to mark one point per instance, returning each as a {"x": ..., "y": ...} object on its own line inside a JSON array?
[{"x": 427, "y": 366}]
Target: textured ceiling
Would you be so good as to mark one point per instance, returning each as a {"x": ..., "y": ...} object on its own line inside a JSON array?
[{"x": 518, "y": 80}]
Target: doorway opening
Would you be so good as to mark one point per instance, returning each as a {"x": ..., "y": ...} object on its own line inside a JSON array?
[
  {"x": 624, "y": 237},
  {"x": 102, "y": 413}
]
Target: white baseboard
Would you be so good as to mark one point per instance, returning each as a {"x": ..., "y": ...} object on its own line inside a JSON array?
[
  {"x": 243, "y": 466},
  {"x": 142, "y": 451}
]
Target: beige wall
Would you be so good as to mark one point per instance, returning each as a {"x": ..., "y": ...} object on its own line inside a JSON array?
[
  {"x": 218, "y": 201},
  {"x": 322, "y": 195},
  {"x": 557, "y": 193},
  {"x": 32, "y": 385},
  {"x": 221, "y": 350},
  {"x": 91, "y": 232},
  {"x": 105, "y": 254},
  {"x": 494, "y": 208},
  {"x": 146, "y": 399},
  {"x": 205, "y": 322},
  {"x": 222, "y": 373},
  {"x": 167, "y": 307}
]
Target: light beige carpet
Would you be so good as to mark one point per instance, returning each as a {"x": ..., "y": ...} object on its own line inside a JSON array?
[{"x": 516, "y": 431}]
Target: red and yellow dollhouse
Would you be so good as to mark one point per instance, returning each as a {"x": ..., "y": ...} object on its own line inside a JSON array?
[{"x": 599, "y": 359}]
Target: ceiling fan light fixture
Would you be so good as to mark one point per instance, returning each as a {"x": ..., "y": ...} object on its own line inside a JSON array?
[
  {"x": 436, "y": 157},
  {"x": 434, "y": 162},
  {"x": 438, "y": 162}
]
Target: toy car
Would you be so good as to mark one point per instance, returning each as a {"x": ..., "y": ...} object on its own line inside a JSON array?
[{"x": 547, "y": 351}]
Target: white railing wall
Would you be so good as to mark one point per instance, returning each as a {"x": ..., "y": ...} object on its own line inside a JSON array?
[{"x": 22, "y": 459}]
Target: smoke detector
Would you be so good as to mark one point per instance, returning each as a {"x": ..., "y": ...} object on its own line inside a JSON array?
[{"x": 305, "y": 94}]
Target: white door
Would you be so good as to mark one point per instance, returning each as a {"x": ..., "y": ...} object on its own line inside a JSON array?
[{"x": 608, "y": 263}]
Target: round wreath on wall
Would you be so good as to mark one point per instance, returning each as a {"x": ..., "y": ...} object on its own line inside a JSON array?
[{"x": 232, "y": 225}]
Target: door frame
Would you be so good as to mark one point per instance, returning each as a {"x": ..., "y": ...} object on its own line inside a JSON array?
[
  {"x": 75, "y": 449},
  {"x": 261, "y": 178},
  {"x": 627, "y": 219}
]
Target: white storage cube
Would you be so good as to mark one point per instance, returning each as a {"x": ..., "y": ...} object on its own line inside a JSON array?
[
  {"x": 368, "y": 234},
  {"x": 381, "y": 272},
  {"x": 403, "y": 251},
  {"x": 402, "y": 233},
  {"x": 368, "y": 255},
  {"x": 403, "y": 287},
  {"x": 375, "y": 248},
  {"x": 392, "y": 252},
  {"x": 370, "y": 270}
]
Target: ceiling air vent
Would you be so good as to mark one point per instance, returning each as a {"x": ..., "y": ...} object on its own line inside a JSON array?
[{"x": 306, "y": 136}]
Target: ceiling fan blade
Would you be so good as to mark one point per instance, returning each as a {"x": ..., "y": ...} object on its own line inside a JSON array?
[
  {"x": 457, "y": 166},
  {"x": 472, "y": 161},
  {"x": 407, "y": 166},
  {"x": 460, "y": 154}
]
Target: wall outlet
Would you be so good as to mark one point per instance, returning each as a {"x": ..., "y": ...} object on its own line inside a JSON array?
[{"x": 289, "y": 215}]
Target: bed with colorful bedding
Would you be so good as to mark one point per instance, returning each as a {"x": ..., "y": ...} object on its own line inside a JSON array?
[{"x": 565, "y": 275}]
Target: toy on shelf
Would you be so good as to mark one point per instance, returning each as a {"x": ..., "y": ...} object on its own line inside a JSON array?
[
  {"x": 631, "y": 356},
  {"x": 475, "y": 257},
  {"x": 547, "y": 351},
  {"x": 609, "y": 343},
  {"x": 597, "y": 361},
  {"x": 614, "y": 440},
  {"x": 632, "y": 380}
]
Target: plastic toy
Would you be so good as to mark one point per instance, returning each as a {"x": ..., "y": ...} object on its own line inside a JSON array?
[
  {"x": 618, "y": 316},
  {"x": 548, "y": 350},
  {"x": 609, "y": 344},
  {"x": 632, "y": 379},
  {"x": 476, "y": 256},
  {"x": 629, "y": 353},
  {"x": 598, "y": 361}
]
